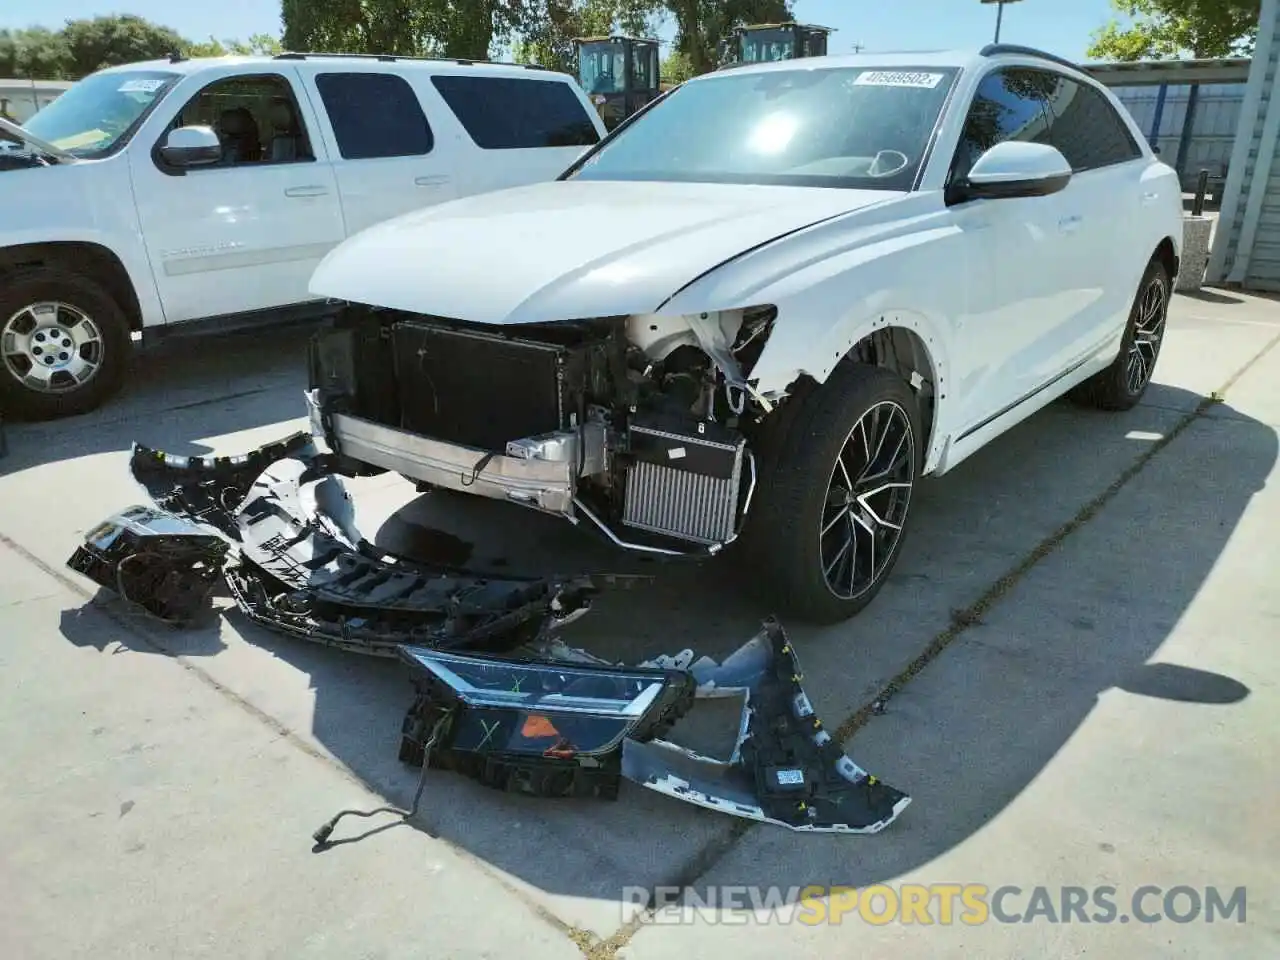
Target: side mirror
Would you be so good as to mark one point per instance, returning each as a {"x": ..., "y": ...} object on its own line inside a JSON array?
[
  {"x": 1015, "y": 169},
  {"x": 191, "y": 147}
]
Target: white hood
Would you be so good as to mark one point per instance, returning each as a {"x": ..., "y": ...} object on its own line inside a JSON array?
[{"x": 567, "y": 249}]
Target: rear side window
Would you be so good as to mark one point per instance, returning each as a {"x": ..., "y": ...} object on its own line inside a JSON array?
[
  {"x": 505, "y": 113},
  {"x": 1086, "y": 127},
  {"x": 374, "y": 115}
]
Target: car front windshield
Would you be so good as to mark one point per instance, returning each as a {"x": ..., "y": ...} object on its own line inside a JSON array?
[
  {"x": 93, "y": 116},
  {"x": 849, "y": 127}
]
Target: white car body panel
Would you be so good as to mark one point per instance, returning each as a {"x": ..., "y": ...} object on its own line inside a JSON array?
[
  {"x": 218, "y": 242},
  {"x": 1016, "y": 300},
  {"x": 553, "y": 251}
]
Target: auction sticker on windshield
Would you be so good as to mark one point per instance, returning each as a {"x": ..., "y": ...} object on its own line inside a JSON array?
[
  {"x": 898, "y": 78},
  {"x": 140, "y": 86}
]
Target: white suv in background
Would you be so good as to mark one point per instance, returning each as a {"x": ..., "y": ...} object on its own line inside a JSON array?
[{"x": 173, "y": 191}]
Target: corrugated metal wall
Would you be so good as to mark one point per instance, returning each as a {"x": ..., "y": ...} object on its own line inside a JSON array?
[
  {"x": 1246, "y": 249},
  {"x": 1214, "y": 123}
]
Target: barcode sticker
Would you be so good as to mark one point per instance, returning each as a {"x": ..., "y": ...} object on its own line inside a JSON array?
[{"x": 898, "y": 78}]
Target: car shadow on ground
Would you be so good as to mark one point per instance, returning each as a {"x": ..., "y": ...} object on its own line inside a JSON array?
[
  {"x": 969, "y": 754},
  {"x": 220, "y": 385}
]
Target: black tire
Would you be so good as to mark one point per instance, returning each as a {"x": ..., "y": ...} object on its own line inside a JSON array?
[
  {"x": 1114, "y": 388},
  {"x": 25, "y": 288},
  {"x": 784, "y": 539}
]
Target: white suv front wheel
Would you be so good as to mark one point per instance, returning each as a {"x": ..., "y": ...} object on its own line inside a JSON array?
[{"x": 64, "y": 343}]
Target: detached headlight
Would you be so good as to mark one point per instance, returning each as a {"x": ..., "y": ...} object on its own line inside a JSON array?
[{"x": 514, "y": 713}]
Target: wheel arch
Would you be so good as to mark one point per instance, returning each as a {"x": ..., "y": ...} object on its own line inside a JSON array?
[
  {"x": 905, "y": 342},
  {"x": 1167, "y": 253},
  {"x": 92, "y": 260}
]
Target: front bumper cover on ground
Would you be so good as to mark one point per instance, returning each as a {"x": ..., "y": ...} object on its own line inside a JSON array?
[{"x": 518, "y": 710}]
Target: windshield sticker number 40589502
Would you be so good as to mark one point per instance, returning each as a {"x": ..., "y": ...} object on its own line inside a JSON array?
[{"x": 898, "y": 78}]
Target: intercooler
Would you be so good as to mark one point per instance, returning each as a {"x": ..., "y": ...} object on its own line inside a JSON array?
[{"x": 683, "y": 481}]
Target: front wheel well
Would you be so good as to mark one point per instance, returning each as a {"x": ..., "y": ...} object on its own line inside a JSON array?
[
  {"x": 903, "y": 352},
  {"x": 91, "y": 260},
  {"x": 1166, "y": 254}
]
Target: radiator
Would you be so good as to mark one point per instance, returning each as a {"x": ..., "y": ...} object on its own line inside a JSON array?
[
  {"x": 476, "y": 388},
  {"x": 683, "y": 480}
]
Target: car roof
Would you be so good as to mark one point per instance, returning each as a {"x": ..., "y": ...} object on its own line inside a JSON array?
[
  {"x": 423, "y": 64},
  {"x": 899, "y": 59}
]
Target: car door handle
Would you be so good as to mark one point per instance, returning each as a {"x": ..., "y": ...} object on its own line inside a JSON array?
[
  {"x": 1149, "y": 198},
  {"x": 1070, "y": 224},
  {"x": 430, "y": 181},
  {"x": 313, "y": 190}
]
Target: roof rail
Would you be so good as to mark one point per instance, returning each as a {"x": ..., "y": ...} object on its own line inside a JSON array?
[
  {"x": 1016, "y": 49},
  {"x": 393, "y": 57}
]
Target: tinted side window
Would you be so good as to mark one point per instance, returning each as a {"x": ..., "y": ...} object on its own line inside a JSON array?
[
  {"x": 374, "y": 115},
  {"x": 505, "y": 113},
  {"x": 1009, "y": 105},
  {"x": 255, "y": 118},
  {"x": 1086, "y": 128}
]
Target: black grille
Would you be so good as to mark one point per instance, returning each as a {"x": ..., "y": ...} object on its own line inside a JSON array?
[{"x": 474, "y": 388}]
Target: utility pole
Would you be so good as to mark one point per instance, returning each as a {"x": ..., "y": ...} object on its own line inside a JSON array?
[
  {"x": 858, "y": 48},
  {"x": 1000, "y": 4}
]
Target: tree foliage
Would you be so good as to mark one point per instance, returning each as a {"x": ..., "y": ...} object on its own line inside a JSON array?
[
  {"x": 37, "y": 53},
  {"x": 467, "y": 29},
  {"x": 107, "y": 41},
  {"x": 548, "y": 38},
  {"x": 83, "y": 46},
  {"x": 1167, "y": 29},
  {"x": 702, "y": 26},
  {"x": 258, "y": 44}
]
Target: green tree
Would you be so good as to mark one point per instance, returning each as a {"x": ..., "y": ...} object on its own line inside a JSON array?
[
  {"x": 1167, "y": 29},
  {"x": 108, "y": 41},
  {"x": 676, "y": 68},
  {"x": 466, "y": 29},
  {"x": 702, "y": 26},
  {"x": 36, "y": 54},
  {"x": 550, "y": 29},
  {"x": 258, "y": 44}
]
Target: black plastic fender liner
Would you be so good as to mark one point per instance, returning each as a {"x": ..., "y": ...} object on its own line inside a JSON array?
[{"x": 785, "y": 769}]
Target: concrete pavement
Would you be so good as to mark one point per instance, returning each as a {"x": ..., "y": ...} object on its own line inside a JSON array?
[{"x": 1075, "y": 638}]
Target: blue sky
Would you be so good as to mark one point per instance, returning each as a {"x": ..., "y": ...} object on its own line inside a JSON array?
[{"x": 1060, "y": 26}]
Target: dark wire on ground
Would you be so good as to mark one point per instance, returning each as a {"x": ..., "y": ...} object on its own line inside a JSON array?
[{"x": 322, "y": 835}]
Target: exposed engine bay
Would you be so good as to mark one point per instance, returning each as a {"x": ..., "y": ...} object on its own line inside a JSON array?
[
  {"x": 642, "y": 425},
  {"x": 498, "y": 695}
]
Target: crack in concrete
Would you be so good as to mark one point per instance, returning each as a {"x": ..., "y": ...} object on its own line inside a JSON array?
[{"x": 961, "y": 620}]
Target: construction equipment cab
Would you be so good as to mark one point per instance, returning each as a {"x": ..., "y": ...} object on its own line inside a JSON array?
[
  {"x": 763, "y": 42},
  {"x": 163, "y": 193},
  {"x": 619, "y": 74}
]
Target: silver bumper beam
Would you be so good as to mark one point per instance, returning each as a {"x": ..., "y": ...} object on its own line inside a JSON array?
[{"x": 546, "y": 485}]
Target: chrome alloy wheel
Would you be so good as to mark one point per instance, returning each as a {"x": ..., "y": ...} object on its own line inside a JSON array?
[
  {"x": 51, "y": 347},
  {"x": 1148, "y": 331},
  {"x": 868, "y": 495}
]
